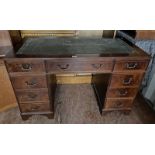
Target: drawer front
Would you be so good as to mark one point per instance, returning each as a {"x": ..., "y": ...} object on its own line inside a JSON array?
[
  {"x": 35, "y": 107},
  {"x": 118, "y": 103},
  {"x": 119, "y": 80},
  {"x": 105, "y": 66},
  {"x": 25, "y": 65},
  {"x": 62, "y": 66},
  {"x": 40, "y": 95},
  {"x": 122, "y": 92},
  {"x": 78, "y": 66},
  {"x": 29, "y": 81},
  {"x": 130, "y": 65}
]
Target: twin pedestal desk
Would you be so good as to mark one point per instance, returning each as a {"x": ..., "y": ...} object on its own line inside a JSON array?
[{"x": 117, "y": 70}]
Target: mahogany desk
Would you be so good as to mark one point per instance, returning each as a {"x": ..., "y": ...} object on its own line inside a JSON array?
[{"x": 117, "y": 70}]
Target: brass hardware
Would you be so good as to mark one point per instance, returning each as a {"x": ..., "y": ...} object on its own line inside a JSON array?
[
  {"x": 32, "y": 95},
  {"x": 131, "y": 65},
  {"x": 118, "y": 104},
  {"x": 123, "y": 92},
  {"x": 64, "y": 67},
  {"x": 26, "y": 67},
  {"x": 33, "y": 82},
  {"x": 35, "y": 108},
  {"x": 97, "y": 66},
  {"x": 127, "y": 81}
]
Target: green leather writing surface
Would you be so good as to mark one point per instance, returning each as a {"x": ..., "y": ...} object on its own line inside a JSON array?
[{"x": 50, "y": 46}]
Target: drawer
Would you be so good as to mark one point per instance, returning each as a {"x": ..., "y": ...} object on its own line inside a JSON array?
[
  {"x": 129, "y": 65},
  {"x": 118, "y": 103},
  {"x": 105, "y": 66},
  {"x": 62, "y": 66},
  {"x": 121, "y": 80},
  {"x": 25, "y": 65},
  {"x": 39, "y": 95},
  {"x": 35, "y": 107},
  {"x": 77, "y": 66},
  {"x": 122, "y": 92},
  {"x": 29, "y": 81}
]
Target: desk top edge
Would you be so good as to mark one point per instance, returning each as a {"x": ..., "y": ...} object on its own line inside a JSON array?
[{"x": 135, "y": 51}]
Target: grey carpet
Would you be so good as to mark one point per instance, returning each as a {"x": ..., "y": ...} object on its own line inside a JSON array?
[{"x": 74, "y": 104}]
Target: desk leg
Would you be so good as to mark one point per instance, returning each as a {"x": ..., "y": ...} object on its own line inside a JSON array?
[{"x": 25, "y": 117}]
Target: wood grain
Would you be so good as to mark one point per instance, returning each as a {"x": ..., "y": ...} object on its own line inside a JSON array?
[
  {"x": 7, "y": 96},
  {"x": 145, "y": 34},
  {"x": 5, "y": 39},
  {"x": 127, "y": 65},
  {"x": 31, "y": 95},
  {"x": 122, "y": 92},
  {"x": 125, "y": 80},
  {"x": 25, "y": 65},
  {"x": 35, "y": 107},
  {"x": 29, "y": 81},
  {"x": 16, "y": 39},
  {"x": 118, "y": 103},
  {"x": 102, "y": 67}
]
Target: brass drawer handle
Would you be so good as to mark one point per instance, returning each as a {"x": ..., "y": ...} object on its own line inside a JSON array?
[
  {"x": 122, "y": 92},
  {"x": 32, "y": 95},
  {"x": 118, "y": 104},
  {"x": 132, "y": 65},
  {"x": 33, "y": 82},
  {"x": 127, "y": 81},
  {"x": 25, "y": 67},
  {"x": 97, "y": 66},
  {"x": 63, "y": 67},
  {"x": 35, "y": 108}
]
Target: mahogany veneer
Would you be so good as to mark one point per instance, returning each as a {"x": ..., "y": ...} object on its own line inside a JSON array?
[{"x": 117, "y": 71}]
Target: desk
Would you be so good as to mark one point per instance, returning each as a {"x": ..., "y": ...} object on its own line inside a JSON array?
[{"x": 117, "y": 70}]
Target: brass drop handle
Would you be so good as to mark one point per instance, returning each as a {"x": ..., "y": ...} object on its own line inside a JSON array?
[
  {"x": 63, "y": 67},
  {"x": 122, "y": 92},
  {"x": 26, "y": 67},
  {"x": 132, "y": 65},
  {"x": 34, "y": 108},
  {"x": 127, "y": 81},
  {"x": 32, "y": 95},
  {"x": 119, "y": 104},
  {"x": 97, "y": 66},
  {"x": 33, "y": 82}
]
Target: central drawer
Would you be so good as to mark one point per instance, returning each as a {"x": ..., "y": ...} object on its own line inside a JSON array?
[
  {"x": 79, "y": 66},
  {"x": 37, "y": 95},
  {"x": 122, "y": 92},
  {"x": 58, "y": 66},
  {"x": 29, "y": 81}
]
